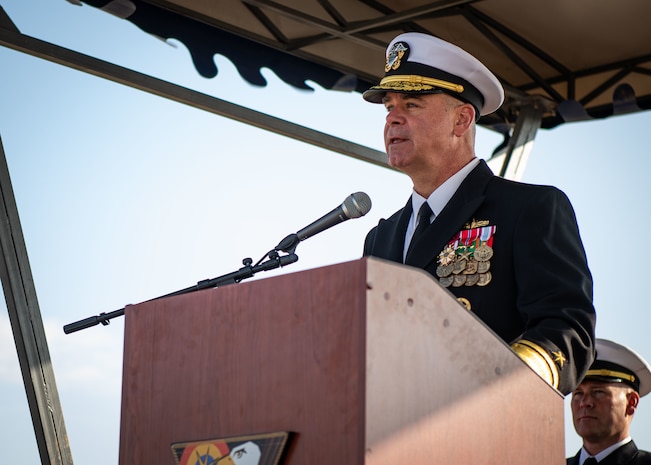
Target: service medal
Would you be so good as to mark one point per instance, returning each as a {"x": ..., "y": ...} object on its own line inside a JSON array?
[
  {"x": 459, "y": 265},
  {"x": 472, "y": 279},
  {"x": 471, "y": 266},
  {"x": 443, "y": 271},
  {"x": 458, "y": 280},
  {"x": 483, "y": 252},
  {"x": 447, "y": 256},
  {"x": 484, "y": 278},
  {"x": 446, "y": 281},
  {"x": 483, "y": 267}
]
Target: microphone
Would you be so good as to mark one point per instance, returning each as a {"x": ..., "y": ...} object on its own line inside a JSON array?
[{"x": 354, "y": 206}]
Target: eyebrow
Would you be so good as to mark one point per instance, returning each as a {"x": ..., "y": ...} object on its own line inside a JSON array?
[{"x": 404, "y": 97}]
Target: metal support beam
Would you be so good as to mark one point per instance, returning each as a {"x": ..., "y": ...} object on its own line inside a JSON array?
[
  {"x": 351, "y": 31},
  {"x": 512, "y": 160},
  {"x": 28, "y": 331},
  {"x": 11, "y": 38}
]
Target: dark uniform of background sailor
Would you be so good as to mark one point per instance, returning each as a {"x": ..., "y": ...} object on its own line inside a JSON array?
[{"x": 510, "y": 252}]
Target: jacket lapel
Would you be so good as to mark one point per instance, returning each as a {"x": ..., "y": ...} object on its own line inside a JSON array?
[
  {"x": 574, "y": 460},
  {"x": 621, "y": 455},
  {"x": 390, "y": 235}
]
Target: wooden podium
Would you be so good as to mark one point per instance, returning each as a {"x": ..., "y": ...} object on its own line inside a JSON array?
[{"x": 365, "y": 362}]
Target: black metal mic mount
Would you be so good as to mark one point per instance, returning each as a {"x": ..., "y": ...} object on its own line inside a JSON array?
[{"x": 248, "y": 270}]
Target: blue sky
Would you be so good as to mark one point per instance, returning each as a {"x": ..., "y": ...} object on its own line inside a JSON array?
[{"x": 124, "y": 196}]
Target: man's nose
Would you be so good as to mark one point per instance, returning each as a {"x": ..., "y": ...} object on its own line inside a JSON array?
[
  {"x": 395, "y": 116},
  {"x": 586, "y": 401}
]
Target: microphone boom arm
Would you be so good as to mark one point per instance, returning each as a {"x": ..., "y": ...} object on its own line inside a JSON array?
[{"x": 247, "y": 271}]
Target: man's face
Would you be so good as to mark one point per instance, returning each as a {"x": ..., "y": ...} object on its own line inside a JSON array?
[
  {"x": 601, "y": 411},
  {"x": 419, "y": 129}
]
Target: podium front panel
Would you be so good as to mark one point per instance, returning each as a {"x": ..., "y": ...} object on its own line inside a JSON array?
[
  {"x": 365, "y": 362},
  {"x": 278, "y": 354}
]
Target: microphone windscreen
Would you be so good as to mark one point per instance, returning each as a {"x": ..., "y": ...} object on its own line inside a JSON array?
[{"x": 356, "y": 205}]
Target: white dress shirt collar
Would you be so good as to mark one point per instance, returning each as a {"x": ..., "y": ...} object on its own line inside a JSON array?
[
  {"x": 437, "y": 200},
  {"x": 604, "y": 453}
]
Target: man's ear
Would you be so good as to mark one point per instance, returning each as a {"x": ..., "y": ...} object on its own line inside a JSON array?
[
  {"x": 633, "y": 401},
  {"x": 465, "y": 118}
]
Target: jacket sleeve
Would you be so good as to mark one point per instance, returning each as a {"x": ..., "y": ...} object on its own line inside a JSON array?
[{"x": 554, "y": 288}]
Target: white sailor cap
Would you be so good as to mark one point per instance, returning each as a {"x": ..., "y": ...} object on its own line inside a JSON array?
[
  {"x": 616, "y": 363},
  {"x": 421, "y": 63}
]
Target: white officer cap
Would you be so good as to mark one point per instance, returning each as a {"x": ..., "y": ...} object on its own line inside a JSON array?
[
  {"x": 616, "y": 363},
  {"x": 421, "y": 63}
]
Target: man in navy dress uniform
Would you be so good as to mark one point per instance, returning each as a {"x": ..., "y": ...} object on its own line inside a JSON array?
[
  {"x": 510, "y": 252},
  {"x": 604, "y": 403}
]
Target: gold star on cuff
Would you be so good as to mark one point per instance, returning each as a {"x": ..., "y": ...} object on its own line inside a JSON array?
[{"x": 559, "y": 358}]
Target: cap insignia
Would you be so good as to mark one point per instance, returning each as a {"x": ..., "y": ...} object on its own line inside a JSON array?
[{"x": 396, "y": 53}]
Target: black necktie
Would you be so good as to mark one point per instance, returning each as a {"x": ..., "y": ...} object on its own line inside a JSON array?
[
  {"x": 424, "y": 214},
  {"x": 590, "y": 461}
]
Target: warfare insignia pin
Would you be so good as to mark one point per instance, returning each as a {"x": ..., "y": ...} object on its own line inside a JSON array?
[
  {"x": 476, "y": 224},
  {"x": 395, "y": 55}
]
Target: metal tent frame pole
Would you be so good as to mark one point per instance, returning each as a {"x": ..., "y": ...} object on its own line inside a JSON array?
[{"x": 28, "y": 331}]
